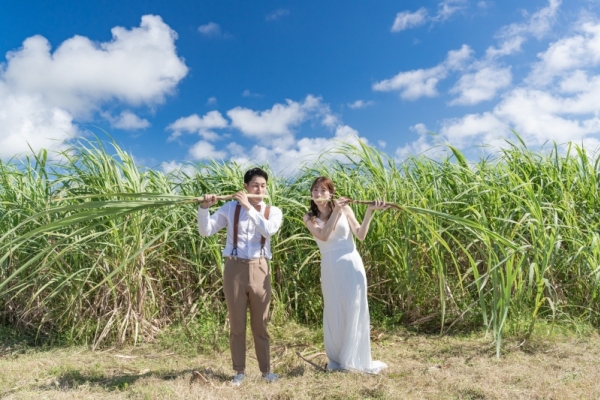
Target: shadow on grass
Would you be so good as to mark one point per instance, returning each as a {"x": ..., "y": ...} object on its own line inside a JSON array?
[{"x": 73, "y": 379}]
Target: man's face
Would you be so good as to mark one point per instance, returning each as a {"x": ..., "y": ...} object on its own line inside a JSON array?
[{"x": 258, "y": 185}]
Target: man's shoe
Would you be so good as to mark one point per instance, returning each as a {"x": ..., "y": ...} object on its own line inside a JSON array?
[
  {"x": 237, "y": 380},
  {"x": 270, "y": 377}
]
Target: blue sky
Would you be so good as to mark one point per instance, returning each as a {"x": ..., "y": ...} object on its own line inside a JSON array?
[{"x": 281, "y": 81}]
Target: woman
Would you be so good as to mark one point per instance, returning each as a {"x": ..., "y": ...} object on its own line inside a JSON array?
[{"x": 343, "y": 279}]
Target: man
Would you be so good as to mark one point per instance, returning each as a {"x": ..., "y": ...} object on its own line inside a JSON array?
[{"x": 246, "y": 276}]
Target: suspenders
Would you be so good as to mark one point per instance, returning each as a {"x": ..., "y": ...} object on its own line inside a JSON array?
[{"x": 236, "y": 221}]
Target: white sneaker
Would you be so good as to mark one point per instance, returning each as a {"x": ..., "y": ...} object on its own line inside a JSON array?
[
  {"x": 237, "y": 380},
  {"x": 270, "y": 377}
]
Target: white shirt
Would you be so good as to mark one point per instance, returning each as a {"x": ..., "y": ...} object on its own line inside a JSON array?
[{"x": 252, "y": 226}]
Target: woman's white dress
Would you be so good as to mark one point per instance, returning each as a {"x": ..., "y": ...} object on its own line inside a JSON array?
[{"x": 346, "y": 324}]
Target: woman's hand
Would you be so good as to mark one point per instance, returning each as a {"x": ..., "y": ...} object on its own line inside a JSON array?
[
  {"x": 378, "y": 205},
  {"x": 340, "y": 203}
]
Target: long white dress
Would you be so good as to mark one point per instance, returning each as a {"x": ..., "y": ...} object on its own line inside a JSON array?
[{"x": 346, "y": 324}]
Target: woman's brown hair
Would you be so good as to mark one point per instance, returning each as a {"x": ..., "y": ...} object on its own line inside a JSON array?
[{"x": 328, "y": 183}]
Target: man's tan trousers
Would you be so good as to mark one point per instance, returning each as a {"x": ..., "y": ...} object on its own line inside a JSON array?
[{"x": 248, "y": 283}]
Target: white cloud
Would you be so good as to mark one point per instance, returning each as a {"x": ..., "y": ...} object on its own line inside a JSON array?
[
  {"x": 579, "y": 51},
  {"x": 248, "y": 93},
  {"x": 47, "y": 91},
  {"x": 422, "y": 82},
  {"x": 196, "y": 124},
  {"x": 277, "y": 121},
  {"x": 277, "y": 14},
  {"x": 558, "y": 101},
  {"x": 508, "y": 46},
  {"x": 126, "y": 120},
  {"x": 406, "y": 20},
  {"x": 542, "y": 116},
  {"x": 481, "y": 79},
  {"x": 486, "y": 77},
  {"x": 514, "y": 35},
  {"x": 421, "y": 129},
  {"x": 274, "y": 132},
  {"x": 210, "y": 29},
  {"x": 286, "y": 154},
  {"x": 422, "y": 146},
  {"x": 539, "y": 24},
  {"x": 567, "y": 111},
  {"x": 329, "y": 120},
  {"x": 447, "y": 8},
  {"x": 287, "y": 160},
  {"x": 170, "y": 166},
  {"x": 236, "y": 149},
  {"x": 360, "y": 104},
  {"x": 138, "y": 66},
  {"x": 211, "y": 101},
  {"x": 481, "y": 85},
  {"x": 457, "y": 59},
  {"x": 414, "y": 84},
  {"x": 575, "y": 82},
  {"x": 465, "y": 130},
  {"x": 536, "y": 115},
  {"x": 345, "y": 131},
  {"x": 174, "y": 167},
  {"x": 204, "y": 150},
  {"x": 213, "y": 30},
  {"x": 26, "y": 120}
]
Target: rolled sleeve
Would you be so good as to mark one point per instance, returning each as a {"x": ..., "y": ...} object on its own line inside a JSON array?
[{"x": 210, "y": 224}]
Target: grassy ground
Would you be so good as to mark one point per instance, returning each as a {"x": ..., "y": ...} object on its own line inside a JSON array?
[{"x": 557, "y": 366}]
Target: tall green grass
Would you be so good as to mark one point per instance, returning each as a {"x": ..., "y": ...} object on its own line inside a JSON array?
[{"x": 99, "y": 250}]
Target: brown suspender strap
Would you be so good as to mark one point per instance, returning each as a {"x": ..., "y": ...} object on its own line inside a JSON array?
[
  {"x": 263, "y": 240},
  {"x": 236, "y": 221}
]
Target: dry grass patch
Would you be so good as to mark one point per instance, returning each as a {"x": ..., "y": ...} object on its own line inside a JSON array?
[{"x": 420, "y": 367}]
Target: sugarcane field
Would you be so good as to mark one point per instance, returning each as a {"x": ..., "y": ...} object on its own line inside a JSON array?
[{"x": 482, "y": 284}]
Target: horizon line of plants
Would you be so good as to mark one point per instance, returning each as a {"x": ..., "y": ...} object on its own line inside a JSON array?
[{"x": 98, "y": 250}]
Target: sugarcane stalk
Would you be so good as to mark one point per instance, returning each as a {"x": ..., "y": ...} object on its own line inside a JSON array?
[
  {"x": 231, "y": 196},
  {"x": 367, "y": 202}
]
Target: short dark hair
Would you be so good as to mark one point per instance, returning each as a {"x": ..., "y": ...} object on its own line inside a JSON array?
[{"x": 251, "y": 173}]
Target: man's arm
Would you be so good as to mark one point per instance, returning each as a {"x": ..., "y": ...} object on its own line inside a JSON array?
[
  {"x": 266, "y": 227},
  {"x": 210, "y": 224}
]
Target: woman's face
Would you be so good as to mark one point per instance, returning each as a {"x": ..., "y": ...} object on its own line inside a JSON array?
[{"x": 321, "y": 192}]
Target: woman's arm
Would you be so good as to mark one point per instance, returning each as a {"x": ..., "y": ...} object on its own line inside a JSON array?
[
  {"x": 323, "y": 233},
  {"x": 361, "y": 230}
]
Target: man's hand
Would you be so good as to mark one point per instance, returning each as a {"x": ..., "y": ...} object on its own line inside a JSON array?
[
  {"x": 242, "y": 198},
  {"x": 208, "y": 200}
]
